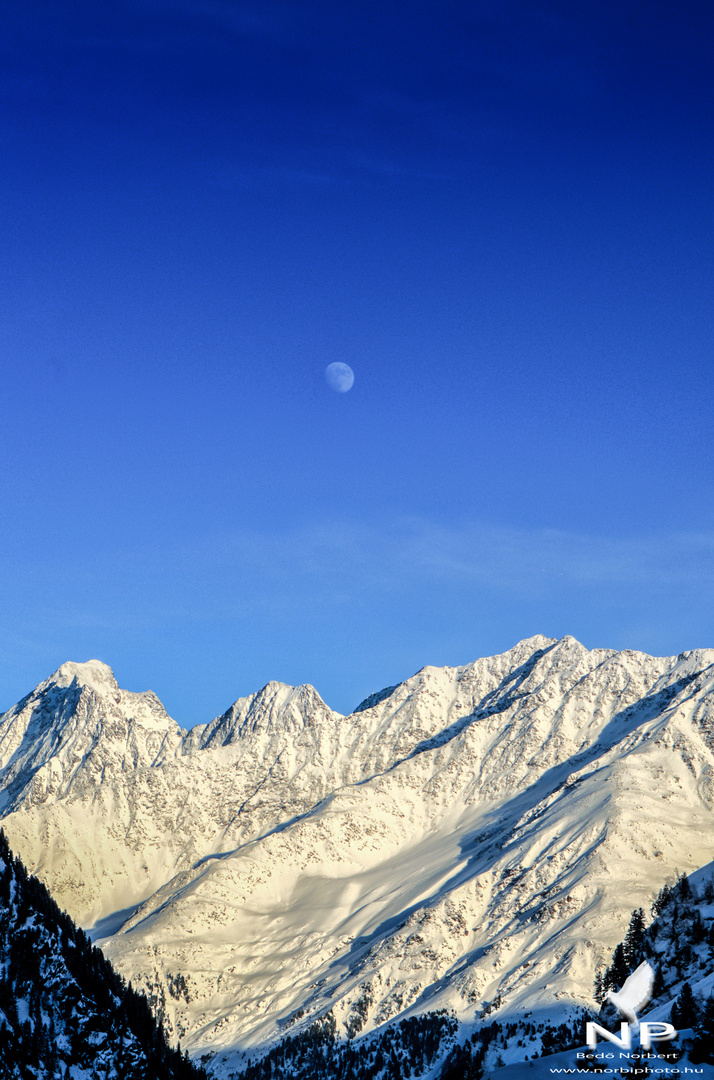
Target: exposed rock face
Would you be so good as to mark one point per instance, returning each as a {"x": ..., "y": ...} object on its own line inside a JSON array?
[{"x": 478, "y": 833}]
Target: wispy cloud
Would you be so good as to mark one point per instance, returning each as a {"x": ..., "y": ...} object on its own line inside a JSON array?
[
  {"x": 340, "y": 563},
  {"x": 511, "y": 557},
  {"x": 340, "y": 560}
]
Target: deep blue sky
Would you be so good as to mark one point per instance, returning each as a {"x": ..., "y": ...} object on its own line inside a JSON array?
[{"x": 499, "y": 214}]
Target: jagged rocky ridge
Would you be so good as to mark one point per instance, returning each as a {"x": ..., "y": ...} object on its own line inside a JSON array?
[
  {"x": 64, "y": 1012},
  {"x": 475, "y": 840}
]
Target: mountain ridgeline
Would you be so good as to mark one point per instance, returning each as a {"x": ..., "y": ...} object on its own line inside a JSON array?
[{"x": 468, "y": 844}]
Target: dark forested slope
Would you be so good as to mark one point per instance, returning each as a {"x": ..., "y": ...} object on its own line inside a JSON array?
[{"x": 63, "y": 1008}]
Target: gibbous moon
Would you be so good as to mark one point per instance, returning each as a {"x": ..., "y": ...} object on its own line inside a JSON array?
[{"x": 339, "y": 377}]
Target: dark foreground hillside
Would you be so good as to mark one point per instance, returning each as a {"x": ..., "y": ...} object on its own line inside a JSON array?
[{"x": 64, "y": 1011}]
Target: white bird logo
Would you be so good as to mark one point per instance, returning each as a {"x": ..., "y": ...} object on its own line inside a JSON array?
[{"x": 634, "y": 993}]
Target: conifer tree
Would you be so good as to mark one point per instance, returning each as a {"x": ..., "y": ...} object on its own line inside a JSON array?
[
  {"x": 663, "y": 898},
  {"x": 684, "y": 889},
  {"x": 703, "y": 1049},
  {"x": 618, "y": 969},
  {"x": 698, "y": 929},
  {"x": 635, "y": 939},
  {"x": 658, "y": 986},
  {"x": 685, "y": 1012}
]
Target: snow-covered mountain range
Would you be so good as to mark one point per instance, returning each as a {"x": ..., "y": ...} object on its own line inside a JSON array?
[{"x": 474, "y": 838}]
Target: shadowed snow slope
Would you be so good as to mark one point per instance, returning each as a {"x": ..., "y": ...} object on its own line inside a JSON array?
[{"x": 480, "y": 833}]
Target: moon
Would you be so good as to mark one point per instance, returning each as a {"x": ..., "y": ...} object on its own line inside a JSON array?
[{"x": 339, "y": 377}]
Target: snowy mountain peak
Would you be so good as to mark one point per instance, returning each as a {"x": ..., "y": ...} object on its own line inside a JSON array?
[
  {"x": 93, "y": 673},
  {"x": 540, "y": 641},
  {"x": 276, "y": 709},
  {"x": 61, "y": 738}
]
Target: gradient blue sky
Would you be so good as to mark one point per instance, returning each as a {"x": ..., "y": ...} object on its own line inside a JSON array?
[{"x": 499, "y": 214}]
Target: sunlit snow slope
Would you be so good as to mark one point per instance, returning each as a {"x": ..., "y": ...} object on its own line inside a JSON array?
[{"x": 480, "y": 833}]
